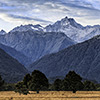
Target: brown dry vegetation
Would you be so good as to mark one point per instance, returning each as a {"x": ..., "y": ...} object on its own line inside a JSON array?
[{"x": 52, "y": 95}]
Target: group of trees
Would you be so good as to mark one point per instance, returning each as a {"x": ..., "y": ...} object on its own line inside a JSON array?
[
  {"x": 35, "y": 82},
  {"x": 6, "y": 86},
  {"x": 73, "y": 82},
  {"x": 38, "y": 81}
]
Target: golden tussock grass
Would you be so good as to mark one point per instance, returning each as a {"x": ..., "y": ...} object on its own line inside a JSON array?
[{"x": 52, "y": 95}]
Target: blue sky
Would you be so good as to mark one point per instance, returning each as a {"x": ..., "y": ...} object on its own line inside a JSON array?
[{"x": 16, "y": 12}]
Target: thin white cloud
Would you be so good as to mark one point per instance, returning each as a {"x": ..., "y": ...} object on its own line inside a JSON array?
[{"x": 94, "y": 3}]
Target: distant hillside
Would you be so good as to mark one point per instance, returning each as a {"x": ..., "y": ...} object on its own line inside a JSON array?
[
  {"x": 10, "y": 69},
  {"x": 84, "y": 58},
  {"x": 16, "y": 54}
]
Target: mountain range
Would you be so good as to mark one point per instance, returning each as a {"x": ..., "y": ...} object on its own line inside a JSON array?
[
  {"x": 68, "y": 26},
  {"x": 35, "y": 44},
  {"x": 36, "y": 41},
  {"x": 56, "y": 47}
]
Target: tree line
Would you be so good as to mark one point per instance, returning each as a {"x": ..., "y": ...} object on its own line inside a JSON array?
[{"x": 37, "y": 81}]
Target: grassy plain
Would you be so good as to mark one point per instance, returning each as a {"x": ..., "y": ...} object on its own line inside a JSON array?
[{"x": 52, "y": 95}]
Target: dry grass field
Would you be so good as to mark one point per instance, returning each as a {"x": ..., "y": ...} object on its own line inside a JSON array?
[{"x": 52, "y": 95}]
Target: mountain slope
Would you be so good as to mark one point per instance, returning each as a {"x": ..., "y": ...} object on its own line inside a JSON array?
[
  {"x": 35, "y": 44},
  {"x": 16, "y": 54},
  {"x": 73, "y": 30},
  {"x": 84, "y": 58},
  {"x": 10, "y": 69}
]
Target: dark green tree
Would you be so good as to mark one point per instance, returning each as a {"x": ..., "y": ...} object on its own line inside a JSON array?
[
  {"x": 97, "y": 87},
  {"x": 38, "y": 81},
  {"x": 21, "y": 88},
  {"x": 72, "y": 82},
  {"x": 65, "y": 85},
  {"x": 89, "y": 86},
  {"x": 27, "y": 79},
  {"x": 1, "y": 83},
  {"x": 57, "y": 84},
  {"x": 8, "y": 87}
]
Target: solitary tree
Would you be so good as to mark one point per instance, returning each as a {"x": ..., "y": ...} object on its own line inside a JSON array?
[{"x": 38, "y": 81}]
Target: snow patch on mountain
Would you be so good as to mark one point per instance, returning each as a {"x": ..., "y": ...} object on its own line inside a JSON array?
[
  {"x": 28, "y": 27},
  {"x": 34, "y": 28}
]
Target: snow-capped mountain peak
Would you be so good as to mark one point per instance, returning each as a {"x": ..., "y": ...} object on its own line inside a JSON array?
[
  {"x": 2, "y": 32},
  {"x": 65, "y": 21},
  {"x": 28, "y": 27},
  {"x": 73, "y": 30}
]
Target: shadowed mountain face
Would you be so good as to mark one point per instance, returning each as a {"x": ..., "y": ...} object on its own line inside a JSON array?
[
  {"x": 36, "y": 44},
  {"x": 10, "y": 69},
  {"x": 84, "y": 58},
  {"x": 16, "y": 54},
  {"x": 73, "y": 30}
]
